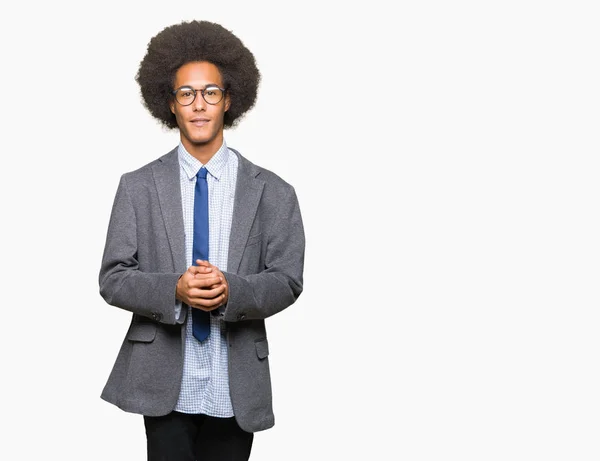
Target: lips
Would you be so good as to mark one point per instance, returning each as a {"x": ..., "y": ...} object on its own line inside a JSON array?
[{"x": 199, "y": 121}]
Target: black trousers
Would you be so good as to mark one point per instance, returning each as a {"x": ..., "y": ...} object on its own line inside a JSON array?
[{"x": 183, "y": 437}]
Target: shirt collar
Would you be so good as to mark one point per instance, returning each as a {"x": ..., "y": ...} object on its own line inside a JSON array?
[{"x": 215, "y": 166}]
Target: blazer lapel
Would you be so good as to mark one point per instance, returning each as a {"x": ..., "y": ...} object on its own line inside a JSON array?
[
  {"x": 166, "y": 178},
  {"x": 247, "y": 197}
]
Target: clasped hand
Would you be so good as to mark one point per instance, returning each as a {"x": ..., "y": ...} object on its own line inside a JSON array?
[{"x": 203, "y": 286}]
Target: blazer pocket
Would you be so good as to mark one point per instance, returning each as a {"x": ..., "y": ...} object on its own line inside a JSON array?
[
  {"x": 262, "y": 348},
  {"x": 253, "y": 240},
  {"x": 142, "y": 332}
]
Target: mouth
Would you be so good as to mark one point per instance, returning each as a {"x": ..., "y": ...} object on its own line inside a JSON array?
[{"x": 199, "y": 121}]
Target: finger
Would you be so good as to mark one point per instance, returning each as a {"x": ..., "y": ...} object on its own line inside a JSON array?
[
  {"x": 209, "y": 293},
  {"x": 208, "y": 275},
  {"x": 206, "y": 292},
  {"x": 207, "y": 308},
  {"x": 195, "y": 270},
  {"x": 204, "y": 282},
  {"x": 206, "y": 304}
]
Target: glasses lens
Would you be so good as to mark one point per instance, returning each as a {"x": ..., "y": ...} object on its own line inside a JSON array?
[
  {"x": 185, "y": 96},
  {"x": 213, "y": 95}
]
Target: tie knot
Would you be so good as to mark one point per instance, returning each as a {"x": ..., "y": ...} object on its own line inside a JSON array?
[{"x": 202, "y": 173}]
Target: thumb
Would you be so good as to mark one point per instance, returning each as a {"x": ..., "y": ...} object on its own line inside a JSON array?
[{"x": 194, "y": 270}]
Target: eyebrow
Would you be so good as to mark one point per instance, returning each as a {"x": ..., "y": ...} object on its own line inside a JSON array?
[{"x": 205, "y": 86}]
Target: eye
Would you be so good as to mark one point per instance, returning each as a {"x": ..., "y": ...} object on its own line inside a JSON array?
[
  {"x": 211, "y": 91},
  {"x": 186, "y": 93}
]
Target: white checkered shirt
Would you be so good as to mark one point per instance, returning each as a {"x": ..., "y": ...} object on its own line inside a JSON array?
[{"x": 205, "y": 382}]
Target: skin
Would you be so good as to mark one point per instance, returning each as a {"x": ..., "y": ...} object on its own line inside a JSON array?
[
  {"x": 200, "y": 124},
  {"x": 202, "y": 286}
]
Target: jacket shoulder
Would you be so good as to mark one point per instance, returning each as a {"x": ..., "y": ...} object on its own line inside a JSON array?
[{"x": 146, "y": 170}]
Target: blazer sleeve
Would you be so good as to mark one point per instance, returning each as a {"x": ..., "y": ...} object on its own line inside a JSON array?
[
  {"x": 122, "y": 283},
  {"x": 258, "y": 296}
]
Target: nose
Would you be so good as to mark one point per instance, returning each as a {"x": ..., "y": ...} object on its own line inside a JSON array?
[{"x": 199, "y": 102}]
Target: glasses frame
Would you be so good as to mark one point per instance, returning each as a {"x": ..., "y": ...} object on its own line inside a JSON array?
[{"x": 195, "y": 91}]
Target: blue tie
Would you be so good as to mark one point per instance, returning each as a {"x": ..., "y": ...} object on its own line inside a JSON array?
[{"x": 200, "y": 318}]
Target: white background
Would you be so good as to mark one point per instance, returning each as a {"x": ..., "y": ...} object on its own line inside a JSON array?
[{"x": 448, "y": 178}]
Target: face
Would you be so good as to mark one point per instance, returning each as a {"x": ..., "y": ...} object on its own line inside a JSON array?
[{"x": 200, "y": 124}]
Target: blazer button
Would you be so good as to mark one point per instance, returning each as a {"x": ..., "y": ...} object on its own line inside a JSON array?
[
  {"x": 241, "y": 316},
  {"x": 157, "y": 316}
]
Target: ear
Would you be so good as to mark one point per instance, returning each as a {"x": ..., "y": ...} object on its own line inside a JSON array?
[
  {"x": 172, "y": 106},
  {"x": 227, "y": 102}
]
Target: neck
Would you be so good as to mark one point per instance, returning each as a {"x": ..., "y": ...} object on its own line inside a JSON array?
[{"x": 203, "y": 152}]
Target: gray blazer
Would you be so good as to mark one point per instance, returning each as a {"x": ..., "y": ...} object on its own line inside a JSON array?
[{"x": 144, "y": 256}]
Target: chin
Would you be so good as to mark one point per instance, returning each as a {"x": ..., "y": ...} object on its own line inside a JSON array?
[{"x": 202, "y": 140}]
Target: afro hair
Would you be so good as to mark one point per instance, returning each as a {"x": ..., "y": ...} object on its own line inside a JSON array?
[{"x": 192, "y": 41}]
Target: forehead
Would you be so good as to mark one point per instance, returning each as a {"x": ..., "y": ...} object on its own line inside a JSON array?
[{"x": 198, "y": 73}]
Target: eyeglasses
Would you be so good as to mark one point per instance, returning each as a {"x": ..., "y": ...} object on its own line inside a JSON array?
[{"x": 187, "y": 95}]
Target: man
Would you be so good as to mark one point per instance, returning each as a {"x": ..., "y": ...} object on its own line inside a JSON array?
[{"x": 202, "y": 246}]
